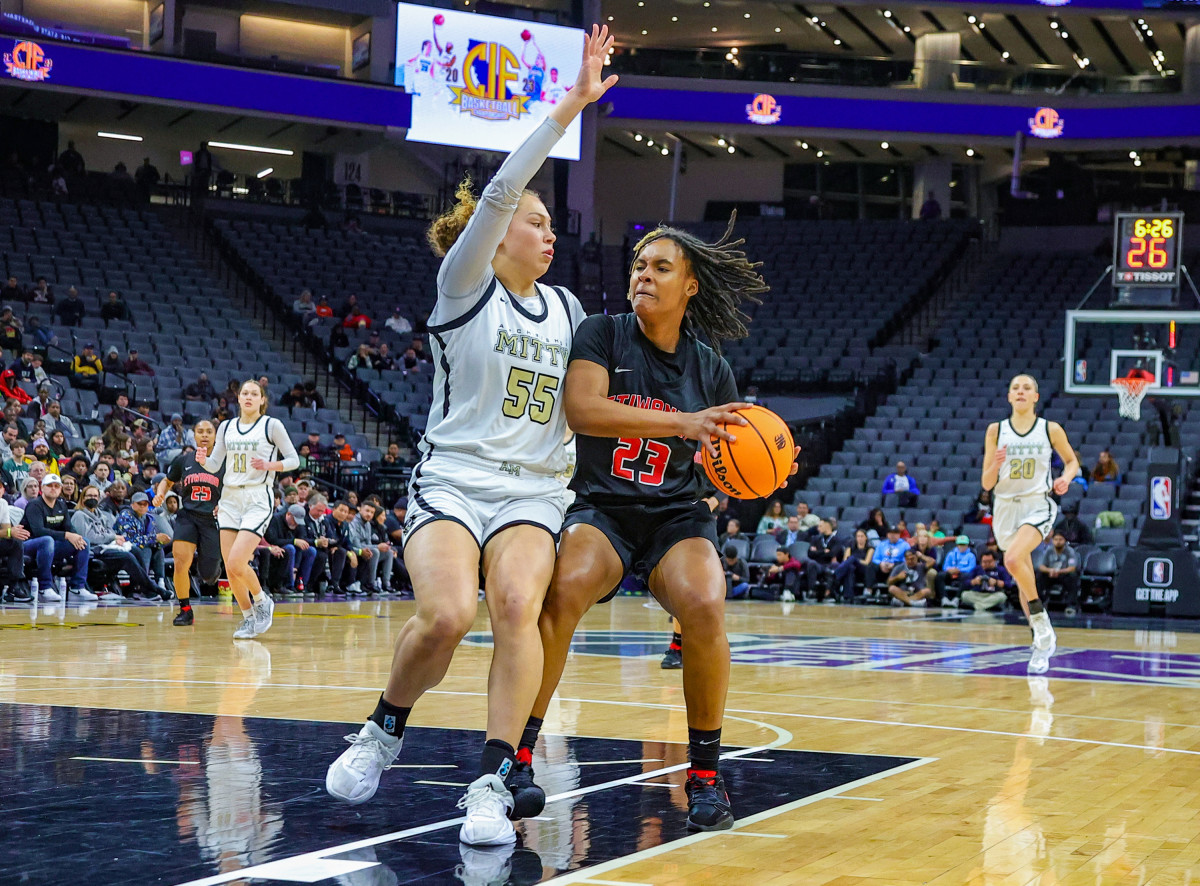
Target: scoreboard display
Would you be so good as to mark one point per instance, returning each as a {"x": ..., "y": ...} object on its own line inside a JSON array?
[{"x": 1146, "y": 249}]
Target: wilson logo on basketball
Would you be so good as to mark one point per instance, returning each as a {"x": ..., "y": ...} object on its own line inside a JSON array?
[
  {"x": 1046, "y": 123},
  {"x": 780, "y": 442},
  {"x": 27, "y": 62},
  {"x": 764, "y": 110}
]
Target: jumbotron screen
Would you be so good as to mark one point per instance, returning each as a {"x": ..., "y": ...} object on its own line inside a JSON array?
[{"x": 480, "y": 81}]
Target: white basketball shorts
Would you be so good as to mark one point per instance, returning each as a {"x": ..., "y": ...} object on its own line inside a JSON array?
[
  {"x": 246, "y": 507},
  {"x": 1010, "y": 514}
]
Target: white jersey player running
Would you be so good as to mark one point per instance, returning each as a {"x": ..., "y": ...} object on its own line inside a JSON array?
[
  {"x": 485, "y": 496},
  {"x": 248, "y": 446},
  {"x": 1016, "y": 466}
]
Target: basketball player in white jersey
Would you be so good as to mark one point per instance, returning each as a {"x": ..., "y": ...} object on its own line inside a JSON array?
[
  {"x": 485, "y": 496},
  {"x": 1016, "y": 467},
  {"x": 249, "y": 445}
]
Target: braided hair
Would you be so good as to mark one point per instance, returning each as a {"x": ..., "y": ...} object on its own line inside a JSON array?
[{"x": 726, "y": 279}]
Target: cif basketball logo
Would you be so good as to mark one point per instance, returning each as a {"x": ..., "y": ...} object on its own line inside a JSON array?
[
  {"x": 488, "y": 70},
  {"x": 27, "y": 62},
  {"x": 764, "y": 110},
  {"x": 1046, "y": 123},
  {"x": 1157, "y": 572},
  {"x": 1160, "y": 498}
]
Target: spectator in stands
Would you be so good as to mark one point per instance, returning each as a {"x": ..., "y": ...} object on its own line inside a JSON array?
[
  {"x": 786, "y": 572},
  {"x": 95, "y": 448},
  {"x": 903, "y": 485},
  {"x": 39, "y": 407},
  {"x": 120, "y": 175},
  {"x": 11, "y": 333},
  {"x": 56, "y": 421},
  {"x": 136, "y": 523},
  {"x": 957, "y": 569},
  {"x": 323, "y": 308},
  {"x": 174, "y": 439},
  {"x": 13, "y": 292},
  {"x": 929, "y": 553},
  {"x": 146, "y": 178},
  {"x": 304, "y": 305},
  {"x": 22, "y": 367},
  {"x": 360, "y": 359},
  {"x": 312, "y": 396},
  {"x": 14, "y": 416},
  {"x": 314, "y": 444},
  {"x": 392, "y": 458},
  {"x": 70, "y": 490},
  {"x": 41, "y": 337},
  {"x": 41, "y": 294},
  {"x": 937, "y": 533},
  {"x": 71, "y": 161},
  {"x": 7, "y": 437},
  {"x": 30, "y": 488},
  {"x": 825, "y": 552},
  {"x": 343, "y": 449},
  {"x": 989, "y": 585},
  {"x": 101, "y": 476},
  {"x": 737, "y": 574},
  {"x": 290, "y": 573},
  {"x": 376, "y": 560},
  {"x": 889, "y": 554},
  {"x": 931, "y": 209},
  {"x": 201, "y": 390},
  {"x": 910, "y": 583},
  {"x": 774, "y": 519},
  {"x": 71, "y": 309},
  {"x": 17, "y": 465},
  {"x": 791, "y": 533},
  {"x": 733, "y": 531},
  {"x": 114, "y": 498},
  {"x": 876, "y": 525},
  {"x": 382, "y": 358},
  {"x": 42, "y": 453},
  {"x": 316, "y": 532},
  {"x": 293, "y": 398},
  {"x": 97, "y": 529},
  {"x": 135, "y": 365},
  {"x": 147, "y": 476},
  {"x": 47, "y": 517},
  {"x": 398, "y": 323},
  {"x": 410, "y": 362},
  {"x": 981, "y": 511},
  {"x": 86, "y": 368},
  {"x": 854, "y": 567},
  {"x": 1058, "y": 567},
  {"x": 1106, "y": 469},
  {"x": 902, "y": 528},
  {"x": 418, "y": 347},
  {"x": 343, "y": 562},
  {"x": 808, "y": 520},
  {"x": 1074, "y": 530},
  {"x": 114, "y": 308},
  {"x": 112, "y": 361}
]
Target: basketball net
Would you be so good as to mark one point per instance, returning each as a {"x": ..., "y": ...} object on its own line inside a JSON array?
[{"x": 1130, "y": 392}]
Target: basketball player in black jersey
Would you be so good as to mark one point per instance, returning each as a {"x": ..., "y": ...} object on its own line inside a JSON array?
[
  {"x": 640, "y": 388},
  {"x": 196, "y": 527}
]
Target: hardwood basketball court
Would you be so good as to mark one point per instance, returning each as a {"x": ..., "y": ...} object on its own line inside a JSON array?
[{"x": 864, "y": 746}]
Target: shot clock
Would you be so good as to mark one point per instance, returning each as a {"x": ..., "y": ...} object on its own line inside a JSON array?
[{"x": 1146, "y": 249}]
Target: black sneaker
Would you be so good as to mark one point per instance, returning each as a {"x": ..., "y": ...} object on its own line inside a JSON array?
[
  {"x": 528, "y": 799},
  {"x": 672, "y": 660},
  {"x": 20, "y": 592},
  {"x": 708, "y": 804},
  {"x": 184, "y": 618}
]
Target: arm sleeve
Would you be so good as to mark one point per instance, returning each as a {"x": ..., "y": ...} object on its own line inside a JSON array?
[
  {"x": 215, "y": 458},
  {"x": 593, "y": 340},
  {"x": 467, "y": 268},
  {"x": 279, "y": 436},
  {"x": 175, "y": 471},
  {"x": 726, "y": 388}
]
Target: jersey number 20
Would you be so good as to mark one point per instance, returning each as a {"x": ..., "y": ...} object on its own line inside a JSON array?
[
  {"x": 1021, "y": 469},
  {"x": 532, "y": 391}
]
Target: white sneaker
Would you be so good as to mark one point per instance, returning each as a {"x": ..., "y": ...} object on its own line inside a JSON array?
[
  {"x": 262, "y": 611},
  {"x": 787, "y": 597},
  {"x": 246, "y": 630},
  {"x": 919, "y": 604},
  {"x": 354, "y": 776},
  {"x": 1044, "y": 643},
  {"x": 49, "y": 595},
  {"x": 487, "y": 803},
  {"x": 484, "y": 866},
  {"x": 84, "y": 594}
]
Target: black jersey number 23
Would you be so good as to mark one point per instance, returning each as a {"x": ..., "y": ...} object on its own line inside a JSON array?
[{"x": 629, "y": 449}]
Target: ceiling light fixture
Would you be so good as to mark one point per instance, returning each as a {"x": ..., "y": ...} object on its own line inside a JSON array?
[
  {"x": 232, "y": 146},
  {"x": 120, "y": 136},
  {"x": 970, "y": 152},
  {"x": 266, "y": 172},
  {"x": 883, "y": 145}
]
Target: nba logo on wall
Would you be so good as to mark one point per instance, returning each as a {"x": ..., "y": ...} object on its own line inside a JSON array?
[
  {"x": 27, "y": 62},
  {"x": 1046, "y": 123},
  {"x": 1160, "y": 498},
  {"x": 764, "y": 110},
  {"x": 1157, "y": 572}
]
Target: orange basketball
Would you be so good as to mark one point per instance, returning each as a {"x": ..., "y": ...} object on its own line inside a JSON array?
[{"x": 757, "y": 462}]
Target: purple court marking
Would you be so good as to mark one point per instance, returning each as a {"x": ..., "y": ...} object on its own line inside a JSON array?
[{"x": 1148, "y": 666}]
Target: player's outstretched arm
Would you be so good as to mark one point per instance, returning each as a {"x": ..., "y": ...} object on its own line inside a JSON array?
[{"x": 467, "y": 267}]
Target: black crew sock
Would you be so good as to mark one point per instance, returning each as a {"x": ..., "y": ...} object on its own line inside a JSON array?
[
  {"x": 1035, "y": 607},
  {"x": 185, "y": 605},
  {"x": 497, "y": 759},
  {"x": 390, "y": 718},
  {"x": 530, "y": 736},
  {"x": 704, "y": 749},
  {"x": 676, "y": 642}
]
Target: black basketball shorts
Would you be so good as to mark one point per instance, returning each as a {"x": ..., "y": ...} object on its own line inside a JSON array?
[{"x": 641, "y": 534}]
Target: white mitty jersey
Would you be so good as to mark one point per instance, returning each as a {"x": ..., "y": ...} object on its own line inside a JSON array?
[
  {"x": 238, "y": 444},
  {"x": 498, "y": 378},
  {"x": 1027, "y": 468}
]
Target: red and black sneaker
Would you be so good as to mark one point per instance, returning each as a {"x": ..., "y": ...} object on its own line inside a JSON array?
[
  {"x": 528, "y": 799},
  {"x": 708, "y": 802}
]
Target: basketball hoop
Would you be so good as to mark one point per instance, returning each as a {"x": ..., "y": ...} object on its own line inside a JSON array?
[{"x": 1130, "y": 392}]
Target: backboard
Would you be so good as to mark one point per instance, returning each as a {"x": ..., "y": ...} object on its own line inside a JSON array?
[{"x": 1102, "y": 345}]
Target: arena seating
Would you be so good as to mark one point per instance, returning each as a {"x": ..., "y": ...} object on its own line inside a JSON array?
[{"x": 183, "y": 321}]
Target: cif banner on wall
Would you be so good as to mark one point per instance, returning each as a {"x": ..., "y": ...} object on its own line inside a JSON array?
[{"x": 479, "y": 81}]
